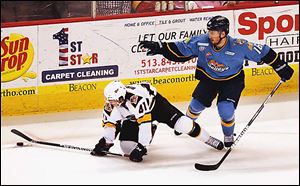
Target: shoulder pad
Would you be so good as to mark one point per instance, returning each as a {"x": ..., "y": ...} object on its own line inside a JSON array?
[
  {"x": 145, "y": 83},
  {"x": 240, "y": 41},
  {"x": 187, "y": 40},
  {"x": 150, "y": 89}
]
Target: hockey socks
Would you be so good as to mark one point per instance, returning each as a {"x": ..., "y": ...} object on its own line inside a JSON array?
[
  {"x": 228, "y": 128},
  {"x": 193, "y": 129},
  {"x": 202, "y": 135}
]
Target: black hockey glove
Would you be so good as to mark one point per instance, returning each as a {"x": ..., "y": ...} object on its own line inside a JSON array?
[
  {"x": 153, "y": 47},
  {"x": 284, "y": 71},
  {"x": 281, "y": 67},
  {"x": 101, "y": 148},
  {"x": 137, "y": 154}
]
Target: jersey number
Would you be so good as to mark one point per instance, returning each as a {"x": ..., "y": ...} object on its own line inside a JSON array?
[
  {"x": 258, "y": 48},
  {"x": 143, "y": 107},
  {"x": 146, "y": 106}
]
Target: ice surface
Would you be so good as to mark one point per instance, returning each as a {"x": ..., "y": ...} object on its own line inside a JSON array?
[{"x": 268, "y": 153}]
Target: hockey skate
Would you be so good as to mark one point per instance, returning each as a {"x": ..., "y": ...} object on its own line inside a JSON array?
[
  {"x": 215, "y": 143},
  {"x": 228, "y": 140}
]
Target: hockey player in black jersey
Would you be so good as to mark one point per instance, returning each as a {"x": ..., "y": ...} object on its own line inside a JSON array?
[{"x": 131, "y": 110}]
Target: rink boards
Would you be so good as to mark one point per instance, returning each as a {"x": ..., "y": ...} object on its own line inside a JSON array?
[
  {"x": 62, "y": 67},
  {"x": 89, "y": 95}
]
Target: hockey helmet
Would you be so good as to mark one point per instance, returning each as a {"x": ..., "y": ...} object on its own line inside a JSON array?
[
  {"x": 218, "y": 23},
  {"x": 115, "y": 91}
]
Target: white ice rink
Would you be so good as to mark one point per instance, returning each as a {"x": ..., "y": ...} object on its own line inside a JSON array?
[{"x": 268, "y": 153}]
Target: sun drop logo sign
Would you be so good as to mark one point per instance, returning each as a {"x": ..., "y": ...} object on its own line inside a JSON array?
[{"x": 16, "y": 56}]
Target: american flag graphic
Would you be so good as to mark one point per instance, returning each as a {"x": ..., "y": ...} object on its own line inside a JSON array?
[{"x": 62, "y": 37}]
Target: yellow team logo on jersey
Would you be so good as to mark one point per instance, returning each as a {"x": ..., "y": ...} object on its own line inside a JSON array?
[
  {"x": 250, "y": 45},
  {"x": 187, "y": 40}
]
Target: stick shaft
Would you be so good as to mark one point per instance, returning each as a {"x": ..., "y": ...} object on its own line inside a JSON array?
[
  {"x": 56, "y": 144},
  {"x": 199, "y": 166}
]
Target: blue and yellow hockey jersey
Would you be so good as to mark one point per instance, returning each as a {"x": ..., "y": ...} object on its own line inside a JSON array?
[{"x": 225, "y": 63}]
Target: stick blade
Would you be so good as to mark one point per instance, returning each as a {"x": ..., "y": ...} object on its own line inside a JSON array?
[
  {"x": 202, "y": 167},
  {"x": 21, "y": 134}
]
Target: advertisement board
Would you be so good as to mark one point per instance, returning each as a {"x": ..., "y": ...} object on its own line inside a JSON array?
[
  {"x": 277, "y": 27},
  {"x": 65, "y": 66},
  {"x": 19, "y": 70}
]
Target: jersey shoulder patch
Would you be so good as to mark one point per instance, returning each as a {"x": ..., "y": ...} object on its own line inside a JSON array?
[
  {"x": 240, "y": 41},
  {"x": 196, "y": 39},
  {"x": 187, "y": 40},
  {"x": 134, "y": 99},
  {"x": 247, "y": 44}
]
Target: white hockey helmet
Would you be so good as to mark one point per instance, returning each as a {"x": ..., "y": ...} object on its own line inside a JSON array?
[{"x": 115, "y": 91}]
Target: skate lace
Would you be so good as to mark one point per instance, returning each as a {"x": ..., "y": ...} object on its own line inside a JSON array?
[
  {"x": 213, "y": 142},
  {"x": 228, "y": 138}
]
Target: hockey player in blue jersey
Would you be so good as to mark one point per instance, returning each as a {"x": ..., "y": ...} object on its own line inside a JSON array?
[{"x": 219, "y": 68}]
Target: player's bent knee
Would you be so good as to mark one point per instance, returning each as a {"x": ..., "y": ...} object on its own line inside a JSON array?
[
  {"x": 184, "y": 125},
  {"x": 128, "y": 146},
  {"x": 196, "y": 106},
  {"x": 145, "y": 133},
  {"x": 226, "y": 110}
]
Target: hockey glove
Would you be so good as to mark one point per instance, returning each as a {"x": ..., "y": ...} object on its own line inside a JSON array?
[
  {"x": 101, "y": 148},
  {"x": 283, "y": 70},
  {"x": 153, "y": 47},
  {"x": 137, "y": 154},
  {"x": 281, "y": 67}
]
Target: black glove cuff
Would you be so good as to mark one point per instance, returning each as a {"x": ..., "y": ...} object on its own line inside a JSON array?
[
  {"x": 278, "y": 64},
  {"x": 159, "y": 47},
  {"x": 272, "y": 59}
]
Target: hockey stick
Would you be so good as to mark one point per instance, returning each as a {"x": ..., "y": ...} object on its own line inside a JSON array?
[
  {"x": 202, "y": 167},
  {"x": 56, "y": 144}
]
